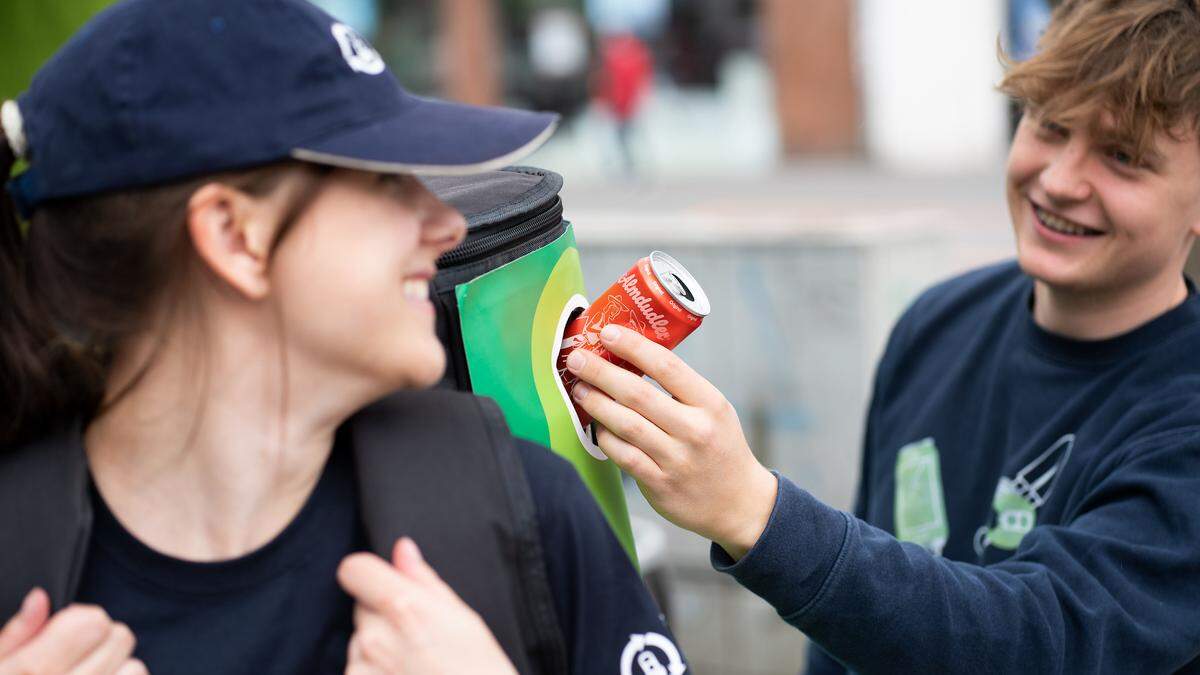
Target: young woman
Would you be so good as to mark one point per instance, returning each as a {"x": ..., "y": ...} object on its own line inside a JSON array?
[{"x": 225, "y": 267}]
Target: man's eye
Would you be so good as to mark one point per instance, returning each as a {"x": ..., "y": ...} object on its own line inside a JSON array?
[
  {"x": 1054, "y": 128},
  {"x": 1122, "y": 157}
]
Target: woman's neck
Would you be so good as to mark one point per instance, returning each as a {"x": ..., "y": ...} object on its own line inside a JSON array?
[{"x": 210, "y": 459}]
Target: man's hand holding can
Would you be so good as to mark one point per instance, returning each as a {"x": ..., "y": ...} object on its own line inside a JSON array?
[
  {"x": 657, "y": 297},
  {"x": 685, "y": 448}
]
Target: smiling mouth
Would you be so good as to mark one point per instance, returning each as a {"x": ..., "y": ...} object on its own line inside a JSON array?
[
  {"x": 416, "y": 289},
  {"x": 1061, "y": 225}
]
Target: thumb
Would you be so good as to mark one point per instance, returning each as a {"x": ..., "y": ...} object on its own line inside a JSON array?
[{"x": 25, "y": 623}]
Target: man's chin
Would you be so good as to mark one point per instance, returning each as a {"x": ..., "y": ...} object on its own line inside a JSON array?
[{"x": 1056, "y": 277}]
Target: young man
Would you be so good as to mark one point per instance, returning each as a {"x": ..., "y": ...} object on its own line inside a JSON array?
[{"x": 1031, "y": 471}]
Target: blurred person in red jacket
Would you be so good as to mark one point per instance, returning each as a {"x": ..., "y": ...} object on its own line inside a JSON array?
[{"x": 627, "y": 67}]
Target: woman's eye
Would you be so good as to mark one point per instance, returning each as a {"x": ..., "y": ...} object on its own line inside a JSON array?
[{"x": 396, "y": 182}]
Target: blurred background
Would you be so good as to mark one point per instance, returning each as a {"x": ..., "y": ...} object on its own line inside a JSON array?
[{"x": 815, "y": 164}]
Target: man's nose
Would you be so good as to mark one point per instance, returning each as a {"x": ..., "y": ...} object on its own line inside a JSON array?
[{"x": 1065, "y": 178}]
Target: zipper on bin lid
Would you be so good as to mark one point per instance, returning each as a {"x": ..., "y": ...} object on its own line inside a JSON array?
[
  {"x": 480, "y": 244},
  {"x": 503, "y": 208},
  {"x": 680, "y": 283}
]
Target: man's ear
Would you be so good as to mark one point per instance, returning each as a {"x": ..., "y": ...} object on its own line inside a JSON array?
[{"x": 232, "y": 232}]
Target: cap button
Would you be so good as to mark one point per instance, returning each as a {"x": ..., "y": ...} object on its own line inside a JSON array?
[{"x": 14, "y": 128}]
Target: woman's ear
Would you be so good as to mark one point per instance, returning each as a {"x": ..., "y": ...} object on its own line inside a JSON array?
[{"x": 232, "y": 233}]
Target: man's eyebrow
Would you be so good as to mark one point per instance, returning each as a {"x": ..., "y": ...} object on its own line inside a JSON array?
[{"x": 1112, "y": 137}]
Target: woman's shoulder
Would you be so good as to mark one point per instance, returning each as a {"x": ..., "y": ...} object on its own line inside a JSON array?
[
  {"x": 552, "y": 479},
  {"x": 565, "y": 507}
]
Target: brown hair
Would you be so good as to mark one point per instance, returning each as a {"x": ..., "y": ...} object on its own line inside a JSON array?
[
  {"x": 83, "y": 278},
  {"x": 1138, "y": 60}
]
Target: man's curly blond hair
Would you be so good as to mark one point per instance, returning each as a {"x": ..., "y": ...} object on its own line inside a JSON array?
[{"x": 1136, "y": 61}]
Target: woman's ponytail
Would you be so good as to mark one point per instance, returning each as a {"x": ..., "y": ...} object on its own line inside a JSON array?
[
  {"x": 27, "y": 379},
  {"x": 84, "y": 279}
]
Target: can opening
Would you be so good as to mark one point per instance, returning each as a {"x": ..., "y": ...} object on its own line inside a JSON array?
[
  {"x": 676, "y": 284},
  {"x": 679, "y": 283}
]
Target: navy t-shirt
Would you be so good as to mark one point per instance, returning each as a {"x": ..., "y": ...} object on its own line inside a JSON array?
[
  {"x": 279, "y": 609},
  {"x": 1028, "y": 503}
]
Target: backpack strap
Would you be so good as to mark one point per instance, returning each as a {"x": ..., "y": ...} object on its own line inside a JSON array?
[
  {"x": 442, "y": 467},
  {"x": 46, "y": 520}
]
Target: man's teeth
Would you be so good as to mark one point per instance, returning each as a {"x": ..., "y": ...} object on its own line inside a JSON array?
[
  {"x": 1062, "y": 225},
  {"x": 416, "y": 289}
]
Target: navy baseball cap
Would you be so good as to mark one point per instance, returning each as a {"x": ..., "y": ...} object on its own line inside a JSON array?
[{"x": 151, "y": 91}]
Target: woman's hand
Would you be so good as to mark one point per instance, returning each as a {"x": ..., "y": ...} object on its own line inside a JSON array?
[
  {"x": 407, "y": 620},
  {"x": 79, "y": 640},
  {"x": 687, "y": 453}
]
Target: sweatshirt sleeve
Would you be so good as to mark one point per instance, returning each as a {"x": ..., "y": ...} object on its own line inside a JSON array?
[
  {"x": 819, "y": 661},
  {"x": 1118, "y": 584}
]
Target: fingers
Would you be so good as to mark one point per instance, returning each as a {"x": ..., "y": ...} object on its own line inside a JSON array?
[
  {"x": 110, "y": 655},
  {"x": 407, "y": 558},
  {"x": 631, "y": 460},
  {"x": 375, "y": 646},
  {"x": 629, "y": 425},
  {"x": 70, "y": 635},
  {"x": 418, "y": 631},
  {"x": 361, "y": 667},
  {"x": 662, "y": 365},
  {"x": 629, "y": 390},
  {"x": 378, "y": 586},
  {"x": 133, "y": 667},
  {"x": 26, "y": 622}
]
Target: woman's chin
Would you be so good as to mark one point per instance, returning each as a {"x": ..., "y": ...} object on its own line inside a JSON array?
[{"x": 421, "y": 369}]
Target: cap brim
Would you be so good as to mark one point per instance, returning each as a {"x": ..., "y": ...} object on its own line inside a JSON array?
[{"x": 435, "y": 138}]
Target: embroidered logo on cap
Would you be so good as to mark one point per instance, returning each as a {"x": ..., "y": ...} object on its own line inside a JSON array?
[{"x": 359, "y": 53}]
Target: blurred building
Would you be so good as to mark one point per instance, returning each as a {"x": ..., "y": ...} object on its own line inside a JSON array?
[{"x": 740, "y": 84}]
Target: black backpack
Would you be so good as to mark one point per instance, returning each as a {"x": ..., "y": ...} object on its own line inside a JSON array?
[
  {"x": 510, "y": 213},
  {"x": 438, "y": 466}
]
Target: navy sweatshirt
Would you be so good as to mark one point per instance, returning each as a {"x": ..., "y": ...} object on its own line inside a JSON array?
[{"x": 1028, "y": 503}]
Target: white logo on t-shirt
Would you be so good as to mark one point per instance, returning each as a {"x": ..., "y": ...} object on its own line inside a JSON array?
[
  {"x": 648, "y": 650},
  {"x": 359, "y": 53}
]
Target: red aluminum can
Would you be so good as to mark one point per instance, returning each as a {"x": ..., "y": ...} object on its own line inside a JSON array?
[{"x": 657, "y": 297}]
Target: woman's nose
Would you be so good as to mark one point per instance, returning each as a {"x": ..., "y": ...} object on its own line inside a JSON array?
[{"x": 444, "y": 227}]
